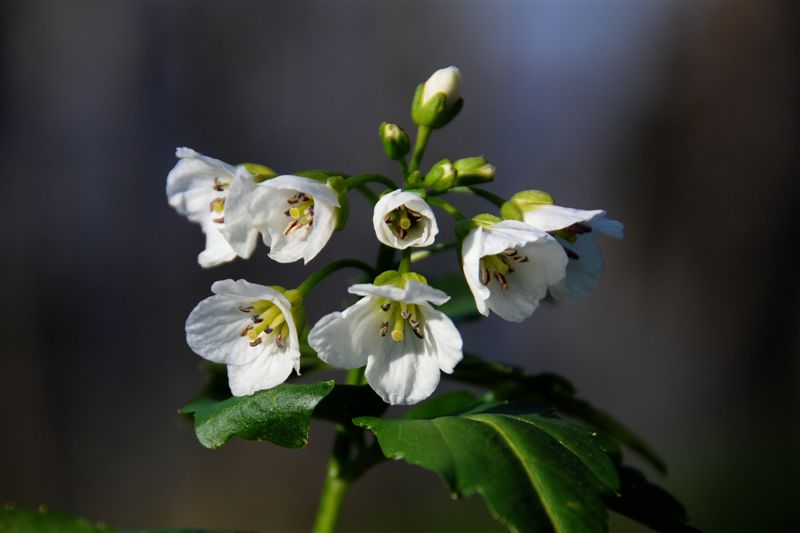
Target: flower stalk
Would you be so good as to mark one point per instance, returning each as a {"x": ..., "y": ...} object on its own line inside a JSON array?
[{"x": 312, "y": 280}]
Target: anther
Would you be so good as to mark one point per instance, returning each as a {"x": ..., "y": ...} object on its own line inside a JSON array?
[
  {"x": 279, "y": 341},
  {"x": 418, "y": 332},
  {"x": 256, "y": 341},
  {"x": 245, "y": 308},
  {"x": 484, "y": 275},
  {"x": 386, "y": 306},
  {"x": 219, "y": 220},
  {"x": 245, "y": 330},
  {"x": 501, "y": 279},
  {"x": 257, "y": 319},
  {"x": 384, "y": 329},
  {"x": 218, "y": 185}
]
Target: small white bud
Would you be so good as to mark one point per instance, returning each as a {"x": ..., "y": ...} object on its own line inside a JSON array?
[{"x": 447, "y": 81}]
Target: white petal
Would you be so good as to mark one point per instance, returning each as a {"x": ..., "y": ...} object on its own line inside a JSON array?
[
  {"x": 238, "y": 228},
  {"x": 584, "y": 273},
  {"x": 217, "y": 249},
  {"x": 405, "y": 372},
  {"x": 324, "y": 225},
  {"x": 269, "y": 369},
  {"x": 244, "y": 291},
  {"x": 442, "y": 338},
  {"x": 344, "y": 339},
  {"x": 608, "y": 226},
  {"x": 320, "y": 191},
  {"x": 555, "y": 217},
  {"x": 471, "y": 256},
  {"x": 422, "y": 234},
  {"x": 509, "y": 234},
  {"x": 413, "y": 293},
  {"x": 529, "y": 283},
  {"x": 213, "y": 331},
  {"x": 190, "y": 184}
]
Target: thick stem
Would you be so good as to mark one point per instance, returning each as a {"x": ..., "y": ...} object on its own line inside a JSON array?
[
  {"x": 326, "y": 271},
  {"x": 405, "y": 261},
  {"x": 423, "y": 134}
]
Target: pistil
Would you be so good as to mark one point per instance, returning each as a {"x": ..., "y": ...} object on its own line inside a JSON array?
[
  {"x": 300, "y": 211},
  {"x": 398, "y": 313}
]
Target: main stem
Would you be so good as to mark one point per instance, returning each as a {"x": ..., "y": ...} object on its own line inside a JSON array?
[
  {"x": 423, "y": 134},
  {"x": 336, "y": 485}
]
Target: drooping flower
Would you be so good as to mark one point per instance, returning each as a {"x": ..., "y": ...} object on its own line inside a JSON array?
[
  {"x": 404, "y": 342},
  {"x": 509, "y": 266},
  {"x": 296, "y": 216},
  {"x": 214, "y": 194},
  {"x": 402, "y": 219},
  {"x": 250, "y": 328},
  {"x": 576, "y": 230}
]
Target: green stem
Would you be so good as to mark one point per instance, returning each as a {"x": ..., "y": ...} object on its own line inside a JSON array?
[
  {"x": 368, "y": 194},
  {"x": 483, "y": 193},
  {"x": 447, "y": 206},
  {"x": 405, "y": 261},
  {"x": 423, "y": 134},
  {"x": 436, "y": 248},
  {"x": 337, "y": 480},
  {"x": 327, "y": 270},
  {"x": 361, "y": 179},
  {"x": 403, "y": 166}
]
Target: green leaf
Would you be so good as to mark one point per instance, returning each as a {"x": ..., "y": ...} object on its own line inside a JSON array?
[
  {"x": 647, "y": 503},
  {"x": 461, "y": 305},
  {"x": 535, "y": 473},
  {"x": 446, "y": 404},
  {"x": 15, "y": 519},
  {"x": 512, "y": 383},
  {"x": 281, "y": 415}
]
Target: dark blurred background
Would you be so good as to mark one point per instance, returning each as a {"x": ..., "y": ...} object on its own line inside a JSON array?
[{"x": 678, "y": 118}]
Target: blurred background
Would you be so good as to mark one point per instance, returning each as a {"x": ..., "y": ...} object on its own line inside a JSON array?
[{"x": 678, "y": 118}]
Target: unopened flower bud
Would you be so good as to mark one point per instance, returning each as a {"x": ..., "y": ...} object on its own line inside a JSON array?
[
  {"x": 395, "y": 140},
  {"x": 438, "y": 100},
  {"x": 472, "y": 170},
  {"x": 442, "y": 176}
]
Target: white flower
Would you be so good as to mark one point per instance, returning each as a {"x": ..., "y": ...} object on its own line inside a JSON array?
[
  {"x": 296, "y": 217},
  {"x": 576, "y": 230},
  {"x": 249, "y": 328},
  {"x": 213, "y": 193},
  {"x": 445, "y": 80},
  {"x": 402, "y": 219},
  {"x": 509, "y": 267},
  {"x": 404, "y": 342}
]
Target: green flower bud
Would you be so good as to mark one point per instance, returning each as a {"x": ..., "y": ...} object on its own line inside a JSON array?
[
  {"x": 438, "y": 100},
  {"x": 395, "y": 140},
  {"x": 473, "y": 170},
  {"x": 442, "y": 176}
]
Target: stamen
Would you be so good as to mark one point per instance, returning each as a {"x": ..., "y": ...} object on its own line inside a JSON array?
[
  {"x": 219, "y": 220},
  {"x": 484, "y": 275},
  {"x": 571, "y": 254},
  {"x": 501, "y": 279},
  {"x": 386, "y": 306},
  {"x": 255, "y": 342},
  {"x": 384, "y": 329},
  {"x": 218, "y": 185},
  {"x": 279, "y": 341},
  {"x": 245, "y": 330},
  {"x": 417, "y": 331},
  {"x": 257, "y": 319},
  {"x": 245, "y": 308}
]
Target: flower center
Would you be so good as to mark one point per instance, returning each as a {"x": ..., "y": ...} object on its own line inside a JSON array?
[
  {"x": 402, "y": 220},
  {"x": 266, "y": 320},
  {"x": 300, "y": 213},
  {"x": 217, "y": 205},
  {"x": 398, "y": 314},
  {"x": 499, "y": 266}
]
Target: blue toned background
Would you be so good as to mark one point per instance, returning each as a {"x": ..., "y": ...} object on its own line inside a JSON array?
[{"x": 678, "y": 118}]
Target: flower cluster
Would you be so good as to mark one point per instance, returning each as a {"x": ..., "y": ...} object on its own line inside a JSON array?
[{"x": 511, "y": 260}]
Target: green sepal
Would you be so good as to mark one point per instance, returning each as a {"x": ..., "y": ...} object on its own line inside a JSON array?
[
  {"x": 398, "y": 279},
  {"x": 526, "y": 201},
  {"x": 510, "y": 211},
  {"x": 414, "y": 180},
  {"x": 434, "y": 113},
  {"x": 339, "y": 185},
  {"x": 485, "y": 220},
  {"x": 474, "y": 170},
  {"x": 262, "y": 173},
  {"x": 442, "y": 176}
]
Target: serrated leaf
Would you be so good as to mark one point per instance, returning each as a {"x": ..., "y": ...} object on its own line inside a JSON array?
[
  {"x": 512, "y": 383},
  {"x": 535, "y": 473},
  {"x": 647, "y": 503},
  {"x": 280, "y": 415}
]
